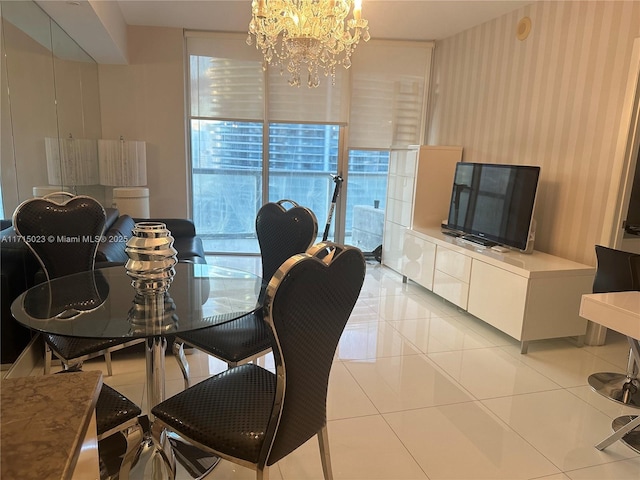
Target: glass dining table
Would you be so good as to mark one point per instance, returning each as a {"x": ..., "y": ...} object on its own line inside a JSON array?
[{"x": 103, "y": 304}]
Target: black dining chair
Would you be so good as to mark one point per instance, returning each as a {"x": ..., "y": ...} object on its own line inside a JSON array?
[
  {"x": 617, "y": 271},
  {"x": 251, "y": 416},
  {"x": 281, "y": 233},
  {"x": 115, "y": 414},
  {"x": 63, "y": 231}
]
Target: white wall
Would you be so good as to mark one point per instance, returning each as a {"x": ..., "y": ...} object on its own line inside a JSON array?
[
  {"x": 145, "y": 100},
  {"x": 554, "y": 100}
]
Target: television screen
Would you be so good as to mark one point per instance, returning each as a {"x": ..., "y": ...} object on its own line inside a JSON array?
[{"x": 494, "y": 203}]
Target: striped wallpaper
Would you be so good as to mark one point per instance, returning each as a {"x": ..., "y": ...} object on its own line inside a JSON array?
[{"x": 554, "y": 100}]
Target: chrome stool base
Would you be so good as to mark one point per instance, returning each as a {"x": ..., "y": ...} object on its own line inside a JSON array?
[
  {"x": 617, "y": 387},
  {"x": 631, "y": 439}
]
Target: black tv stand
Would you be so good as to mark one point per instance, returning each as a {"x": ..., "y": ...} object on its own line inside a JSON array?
[{"x": 479, "y": 240}]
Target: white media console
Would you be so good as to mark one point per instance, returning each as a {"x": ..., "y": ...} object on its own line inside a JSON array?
[{"x": 527, "y": 296}]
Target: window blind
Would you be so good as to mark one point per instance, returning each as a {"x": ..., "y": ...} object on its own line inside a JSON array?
[
  {"x": 325, "y": 104},
  {"x": 388, "y": 93},
  {"x": 227, "y": 81},
  {"x": 382, "y": 97}
]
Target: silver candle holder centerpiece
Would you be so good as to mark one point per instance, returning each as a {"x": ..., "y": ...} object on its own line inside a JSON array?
[{"x": 152, "y": 258}]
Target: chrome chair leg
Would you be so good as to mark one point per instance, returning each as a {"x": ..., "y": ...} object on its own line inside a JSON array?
[
  {"x": 325, "y": 455},
  {"x": 107, "y": 359},
  {"x": 178, "y": 353},
  {"x": 47, "y": 359}
]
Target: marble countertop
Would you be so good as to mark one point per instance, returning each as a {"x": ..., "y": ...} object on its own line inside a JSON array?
[{"x": 44, "y": 420}]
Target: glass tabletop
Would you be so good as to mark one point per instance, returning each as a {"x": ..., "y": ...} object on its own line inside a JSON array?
[{"x": 103, "y": 304}]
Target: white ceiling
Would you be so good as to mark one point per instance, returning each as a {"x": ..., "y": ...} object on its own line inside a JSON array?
[{"x": 91, "y": 22}]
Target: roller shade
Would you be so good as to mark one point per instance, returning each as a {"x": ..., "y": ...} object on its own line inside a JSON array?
[{"x": 388, "y": 93}]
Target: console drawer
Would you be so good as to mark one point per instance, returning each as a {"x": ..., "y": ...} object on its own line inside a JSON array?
[
  {"x": 451, "y": 288},
  {"x": 453, "y": 264}
]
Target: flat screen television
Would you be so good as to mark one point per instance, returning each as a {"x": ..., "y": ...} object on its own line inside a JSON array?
[{"x": 493, "y": 204}]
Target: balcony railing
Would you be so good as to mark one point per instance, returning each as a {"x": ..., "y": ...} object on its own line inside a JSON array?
[{"x": 226, "y": 201}]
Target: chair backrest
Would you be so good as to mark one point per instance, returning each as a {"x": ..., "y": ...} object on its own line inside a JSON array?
[
  {"x": 87, "y": 294},
  {"x": 63, "y": 235},
  {"x": 614, "y": 272},
  {"x": 283, "y": 233},
  {"x": 308, "y": 302}
]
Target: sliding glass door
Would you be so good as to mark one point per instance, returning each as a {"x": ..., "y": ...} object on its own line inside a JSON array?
[
  {"x": 226, "y": 183},
  {"x": 228, "y": 169},
  {"x": 302, "y": 160},
  {"x": 365, "y": 202}
]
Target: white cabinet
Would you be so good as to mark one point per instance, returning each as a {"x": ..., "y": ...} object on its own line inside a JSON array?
[
  {"x": 418, "y": 193},
  {"x": 392, "y": 242},
  {"x": 400, "y": 189},
  {"x": 498, "y": 297},
  {"x": 419, "y": 259},
  {"x": 451, "y": 276},
  {"x": 527, "y": 296}
]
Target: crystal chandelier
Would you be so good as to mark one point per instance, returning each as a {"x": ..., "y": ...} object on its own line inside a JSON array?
[{"x": 307, "y": 34}]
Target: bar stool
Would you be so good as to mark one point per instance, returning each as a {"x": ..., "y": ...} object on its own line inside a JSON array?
[{"x": 617, "y": 272}]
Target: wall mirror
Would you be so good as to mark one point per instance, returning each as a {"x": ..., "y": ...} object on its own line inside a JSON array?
[{"x": 50, "y": 109}]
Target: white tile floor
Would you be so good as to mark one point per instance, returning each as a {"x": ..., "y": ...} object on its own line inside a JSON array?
[{"x": 421, "y": 390}]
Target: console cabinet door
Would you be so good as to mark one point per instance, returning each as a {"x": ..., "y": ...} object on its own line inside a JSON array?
[
  {"x": 419, "y": 258},
  {"x": 498, "y": 297}
]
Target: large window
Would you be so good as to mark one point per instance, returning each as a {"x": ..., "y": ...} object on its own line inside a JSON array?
[
  {"x": 226, "y": 183},
  {"x": 256, "y": 139}
]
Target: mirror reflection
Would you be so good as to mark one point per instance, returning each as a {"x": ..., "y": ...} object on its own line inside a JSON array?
[{"x": 50, "y": 109}]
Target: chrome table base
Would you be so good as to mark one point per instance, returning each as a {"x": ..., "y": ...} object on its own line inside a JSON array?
[
  {"x": 151, "y": 465},
  {"x": 148, "y": 463}
]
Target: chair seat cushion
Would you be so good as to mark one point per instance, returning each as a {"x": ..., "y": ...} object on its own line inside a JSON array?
[
  {"x": 113, "y": 409},
  {"x": 75, "y": 347},
  {"x": 232, "y": 341},
  {"x": 228, "y": 413}
]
